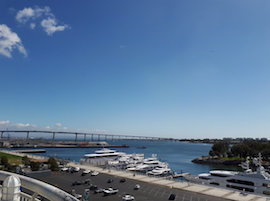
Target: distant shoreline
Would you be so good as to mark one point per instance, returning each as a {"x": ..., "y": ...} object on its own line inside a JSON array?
[{"x": 215, "y": 161}]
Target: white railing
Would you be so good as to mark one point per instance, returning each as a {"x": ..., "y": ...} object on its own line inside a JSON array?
[
  {"x": 27, "y": 197},
  {"x": 40, "y": 188}
]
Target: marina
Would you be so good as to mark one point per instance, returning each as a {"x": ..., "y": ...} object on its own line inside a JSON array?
[
  {"x": 151, "y": 188},
  {"x": 177, "y": 154},
  {"x": 158, "y": 163}
]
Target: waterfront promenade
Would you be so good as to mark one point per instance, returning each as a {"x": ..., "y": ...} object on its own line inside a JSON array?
[{"x": 204, "y": 190}]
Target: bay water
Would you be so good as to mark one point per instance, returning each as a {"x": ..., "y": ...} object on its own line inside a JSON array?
[{"x": 177, "y": 154}]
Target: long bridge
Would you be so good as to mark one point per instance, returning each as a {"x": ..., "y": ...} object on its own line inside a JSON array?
[{"x": 85, "y": 135}]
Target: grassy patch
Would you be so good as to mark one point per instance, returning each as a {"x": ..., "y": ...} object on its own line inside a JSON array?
[
  {"x": 236, "y": 158},
  {"x": 12, "y": 159}
]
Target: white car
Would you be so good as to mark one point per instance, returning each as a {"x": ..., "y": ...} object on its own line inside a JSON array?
[
  {"x": 64, "y": 169},
  {"x": 76, "y": 169},
  {"x": 128, "y": 197},
  {"x": 86, "y": 171},
  {"x": 110, "y": 191},
  {"x": 95, "y": 173},
  {"x": 137, "y": 186}
]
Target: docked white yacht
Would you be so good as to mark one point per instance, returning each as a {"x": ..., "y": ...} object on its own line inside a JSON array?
[
  {"x": 160, "y": 171},
  {"x": 148, "y": 164},
  {"x": 248, "y": 181},
  {"x": 127, "y": 160},
  {"x": 104, "y": 153},
  {"x": 101, "y": 155}
]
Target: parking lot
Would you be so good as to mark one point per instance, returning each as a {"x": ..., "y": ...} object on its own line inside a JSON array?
[{"x": 148, "y": 191}]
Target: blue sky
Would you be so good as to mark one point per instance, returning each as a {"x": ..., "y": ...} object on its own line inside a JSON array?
[{"x": 181, "y": 69}]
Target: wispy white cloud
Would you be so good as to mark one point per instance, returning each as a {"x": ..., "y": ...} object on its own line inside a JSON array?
[
  {"x": 50, "y": 26},
  {"x": 48, "y": 20},
  {"x": 9, "y": 41},
  {"x": 4, "y": 125},
  {"x": 32, "y": 25},
  {"x": 7, "y": 124},
  {"x": 32, "y": 13},
  {"x": 58, "y": 124},
  {"x": 12, "y": 10},
  {"x": 25, "y": 14}
]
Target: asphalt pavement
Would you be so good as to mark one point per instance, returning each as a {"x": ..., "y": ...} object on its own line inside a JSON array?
[{"x": 148, "y": 191}]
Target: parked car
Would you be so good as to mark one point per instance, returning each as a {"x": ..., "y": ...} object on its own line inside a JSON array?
[
  {"x": 137, "y": 186},
  {"x": 172, "y": 197},
  {"x": 64, "y": 169},
  {"x": 110, "y": 180},
  {"x": 87, "y": 181},
  {"x": 110, "y": 191},
  {"x": 71, "y": 169},
  {"x": 93, "y": 187},
  {"x": 128, "y": 197},
  {"x": 94, "y": 173},
  {"x": 122, "y": 180},
  {"x": 76, "y": 183},
  {"x": 76, "y": 169},
  {"x": 99, "y": 190},
  {"x": 85, "y": 172}
]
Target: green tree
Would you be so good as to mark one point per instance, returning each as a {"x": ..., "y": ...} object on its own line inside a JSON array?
[
  {"x": 34, "y": 166},
  {"x": 26, "y": 160},
  {"x": 4, "y": 161},
  {"x": 220, "y": 148},
  {"x": 53, "y": 164}
]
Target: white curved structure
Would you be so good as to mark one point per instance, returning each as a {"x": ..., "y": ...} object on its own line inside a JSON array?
[
  {"x": 11, "y": 189},
  {"x": 40, "y": 188}
]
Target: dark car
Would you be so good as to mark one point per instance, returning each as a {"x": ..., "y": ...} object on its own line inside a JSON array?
[
  {"x": 76, "y": 183},
  {"x": 93, "y": 187},
  {"x": 110, "y": 180},
  {"x": 122, "y": 180},
  {"x": 172, "y": 197},
  {"x": 87, "y": 181},
  {"x": 99, "y": 190}
]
